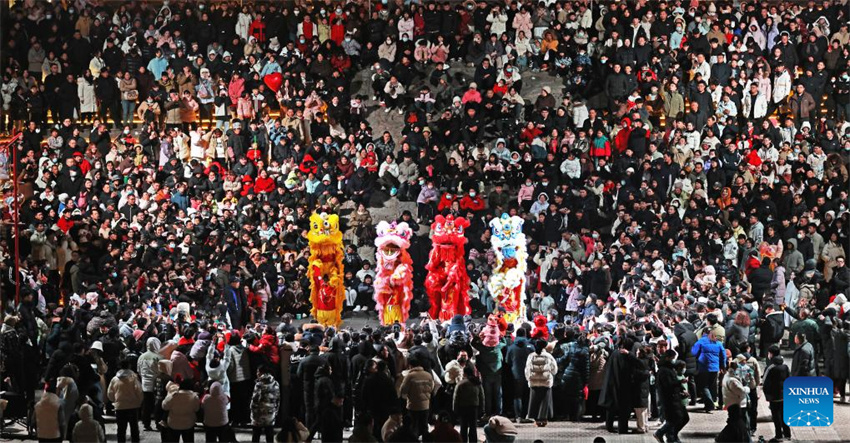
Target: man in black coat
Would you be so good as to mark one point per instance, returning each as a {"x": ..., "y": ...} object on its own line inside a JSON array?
[
  {"x": 686, "y": 335},
  {"x": 307, "y": 373},
  {"x": 107, "y": 93},
  {"x": 803, "y": 364},
  {"x": 772, "y": 327},
  {"x": 774, "y": 379},
  {"x": 671, "y": 397},
  {"x": 760, "y": 279},
  {"x": 621, "y": 386}
]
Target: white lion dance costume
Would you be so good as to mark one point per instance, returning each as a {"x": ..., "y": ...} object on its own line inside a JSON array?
[
  {"x": 394, "y": 273},
  {"x": 507, "y": 285}
]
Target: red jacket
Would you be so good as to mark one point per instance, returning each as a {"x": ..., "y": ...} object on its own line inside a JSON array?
[
  {"x": 262, "y": 185},
  {"x": 472, "y": 203},
  {"x": 267, "y": 346},
  {"x": 445, "y": 202},
  {"x": 258, "y": 30},
  {"x": 65, "y": 224}
]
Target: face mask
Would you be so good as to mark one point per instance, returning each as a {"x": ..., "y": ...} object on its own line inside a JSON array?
[
  {"x": 126, "y": 131},
  {"x": 72, "y": 173},
  {"x": 595, "y": 236},
  {"x": 172, "y": 245},
  {"x": 545, "y": 183},
  {"x": 404, "y": 39},
  {"x": 528, "y": 183},
  {"x": 348, "y": 39},
  {"x": 800, "y": 236},
  {"x": 295, "y": 11},
  {"x": 472, "y": 194},
  {"x": 338, "y": 11},
  {"x": 421, "y": 182},
  {"x": 302, "y": 41},
  {"x": 509, "y": 70},
  {"x": 48, "y": 16},
  {"x": 71, "y": 11}
]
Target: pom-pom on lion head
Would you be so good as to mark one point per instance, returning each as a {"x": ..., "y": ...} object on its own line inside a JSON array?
[
  {"x": 324, "y": 228},
  {"x": 507, "y": 238},
  {"x": 449, "y": 230},
  {"x": 392, "y": 237}
]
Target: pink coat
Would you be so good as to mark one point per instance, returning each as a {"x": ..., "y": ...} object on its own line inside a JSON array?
[
  {"x": 244, "y": 108},
  {"x": 235, "y": 89},
  {"x": 522, "y": 22}
]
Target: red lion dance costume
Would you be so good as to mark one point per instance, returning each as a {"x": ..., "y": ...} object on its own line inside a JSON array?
[
  {"x": 394, "y": 272},
  {"x": 447, "y": 283},
  {"x": 327, "y": 291}
]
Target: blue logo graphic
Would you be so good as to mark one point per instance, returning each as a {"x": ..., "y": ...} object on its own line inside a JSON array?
[{"x": 807, "y": 401}]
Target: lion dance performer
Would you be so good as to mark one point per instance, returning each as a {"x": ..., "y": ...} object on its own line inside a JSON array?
[
  {"x": 327, "y": 292},
  {"x": 394, "y": 272},
  {"x": 507, "y": 284},
  {"x": 447, "y": 283}
]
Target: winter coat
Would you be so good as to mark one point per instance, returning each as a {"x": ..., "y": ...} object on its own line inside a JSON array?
[
  {"x": 182, "y": 407},
  {"x": 489, "y": 360},
  {"x": 468, "y": 394},
  {"x": 146, "y": 365},
  {"x": 265, "y": 401},
  {"x": 540, "y": 370},
  {"x": 760, "y": 105},
  {"x": 734, "y": 392},
  {"x": 760, "y": 279},
  {"x": 417, "y": 388},
  {"x": 49, "y": 416},
  {"x": 670, "y": 392},
  {"x": 774, "y": 379},
  {"x": 239, "y": 368},
  {"x": 85, "y": 92},
  {"x": 576, "y": 364},
  {"x": 686, "y": 337},
  {"x": 517, "y": 356},
  {"x": 777, "y": 284},
  {"x": 710, "y": 355},
  {"x": 87, "y": 429},
  {"x": 215, "y": 406},
  {"x": 803, "y": 364},
  {"x": 125, "y": 390},
  {"x": 841, "y": 353}
]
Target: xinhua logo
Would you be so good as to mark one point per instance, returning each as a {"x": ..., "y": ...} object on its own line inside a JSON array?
[{"x": 807, "y": 401}]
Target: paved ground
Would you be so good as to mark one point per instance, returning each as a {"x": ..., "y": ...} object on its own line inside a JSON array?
[{"x": 702, "y": 428}]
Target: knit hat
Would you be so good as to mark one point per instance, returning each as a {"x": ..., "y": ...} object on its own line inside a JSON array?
[
  {"x": 490, "y": 334},
  {"x": 540, "y": 331}
]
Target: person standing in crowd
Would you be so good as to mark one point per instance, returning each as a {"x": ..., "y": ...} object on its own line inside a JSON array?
[
  {"x": 125, "y": 393},
  {"x": 182, "y": 405},
  {"x": 711, "y": 359},
  {"x": 264, "y": 405},
  {"x": 540, "y": 370},
  {"x": 774, "y": 378},
  {"x": 467, "y": 403},
  {"x": 416, "y": 389}
]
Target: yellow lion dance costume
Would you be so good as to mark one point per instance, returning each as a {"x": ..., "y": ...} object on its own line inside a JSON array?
[{"x": 327, "y": 292}]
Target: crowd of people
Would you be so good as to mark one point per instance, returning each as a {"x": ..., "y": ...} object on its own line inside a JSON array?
[{"x": 682, "y": 171}]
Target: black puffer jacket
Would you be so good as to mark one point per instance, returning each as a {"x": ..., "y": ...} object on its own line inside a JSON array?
[{"x": 687, "y": 338}]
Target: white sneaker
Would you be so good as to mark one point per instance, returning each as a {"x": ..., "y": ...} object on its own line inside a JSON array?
[
  {"x": 387, "y": 111},
  {"x": 400, "y": 111}
]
